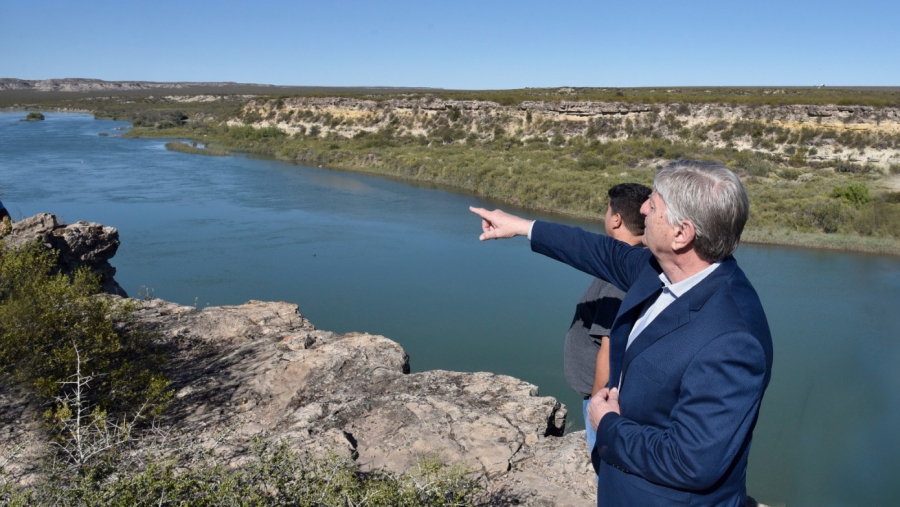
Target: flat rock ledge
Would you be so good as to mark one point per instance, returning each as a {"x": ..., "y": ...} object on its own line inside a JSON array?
[
  {"x": 264, "y": 370},
  {"x": 261, "y": 370}
]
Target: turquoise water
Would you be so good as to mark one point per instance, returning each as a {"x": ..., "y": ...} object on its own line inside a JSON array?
[{"x": 361, "y": 253}]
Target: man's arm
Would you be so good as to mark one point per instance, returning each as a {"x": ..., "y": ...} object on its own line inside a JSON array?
[
  {"x": 601, "y": 256},
  {"x": 601, "y": 370},
  {"x": 595, "y": 254}
]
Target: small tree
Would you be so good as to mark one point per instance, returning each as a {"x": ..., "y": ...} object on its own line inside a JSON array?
[
  {"x": 48, "y": 320},
  {"x": 855, "y": 194}
]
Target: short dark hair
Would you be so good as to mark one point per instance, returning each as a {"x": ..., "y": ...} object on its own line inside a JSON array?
[{"x": 626, "y": 199}]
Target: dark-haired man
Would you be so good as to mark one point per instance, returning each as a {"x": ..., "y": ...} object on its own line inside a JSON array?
[
  {"x": 586, "y": 353},
  {"x": 691, "y": 351}
]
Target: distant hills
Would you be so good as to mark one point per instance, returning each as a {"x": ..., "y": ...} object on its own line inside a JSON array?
[{"x": 87, "y": 85}]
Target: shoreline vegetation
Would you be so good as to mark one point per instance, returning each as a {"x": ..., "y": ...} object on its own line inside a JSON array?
[
  {"x": 192, "y": 148},
  {"x": 821, "y": 166}
]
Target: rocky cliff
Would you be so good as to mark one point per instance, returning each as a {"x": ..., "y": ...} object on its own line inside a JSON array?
[
  {"x": 80, "y": 244},
  {"x": 824, "y": 134},
  {"x": 263, "y": 370}
]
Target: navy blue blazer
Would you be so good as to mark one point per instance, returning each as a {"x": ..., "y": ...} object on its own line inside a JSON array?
[{"x": 692, "y": 381}]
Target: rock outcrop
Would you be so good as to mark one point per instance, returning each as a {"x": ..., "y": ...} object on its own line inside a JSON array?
[
  {"x": 265, "y": 370},
  {"x": 80, "y": 244},
  {"x": 821, "y": 134}
]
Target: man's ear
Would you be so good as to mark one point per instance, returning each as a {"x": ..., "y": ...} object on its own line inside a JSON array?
[
  {"x": 615, "y": 221},
  {"x": 684, "y": 236}
]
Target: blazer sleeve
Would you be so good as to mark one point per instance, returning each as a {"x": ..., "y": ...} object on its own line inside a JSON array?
[
  {"x": 601, "y": 256},
  {"x": 711, "y": 423}
]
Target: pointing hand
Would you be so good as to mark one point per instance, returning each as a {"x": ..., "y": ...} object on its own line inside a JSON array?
[{"x": 498, "y": 224}]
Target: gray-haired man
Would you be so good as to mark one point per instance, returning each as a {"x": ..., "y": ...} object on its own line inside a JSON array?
[{"x": 691, "y": 351}]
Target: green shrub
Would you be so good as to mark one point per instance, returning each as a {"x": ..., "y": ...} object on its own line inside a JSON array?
[
  {"x": 275, "y": 475},
  {"x": 879, "y": 218},
  {"x": 855, "y": 194},
  {"x": 159, "y": 118},
  {"x": 591, "y": 163},
  {"x": 752, "y": 163},
  {"x": 789, "y": 173},
  {"x": 48, "y": 318},
  {"x": 826, "y": 216}
]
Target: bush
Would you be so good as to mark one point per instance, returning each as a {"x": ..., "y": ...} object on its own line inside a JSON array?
[
  {"x": 827, "y": 216},
  {"x": 48, "y": 318},
  {"x": 275, "y": 475},
  {"x": 855, "y": 194},
  {"x": 159, "y": 118},
  {"x": 879, "y": 218},
  {"x": 591, "y": 163},
  {"x": 753, "y": 164}
]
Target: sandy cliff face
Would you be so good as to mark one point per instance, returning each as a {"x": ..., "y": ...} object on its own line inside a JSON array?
[
  {"x": 263, "y": 370},
  {"x": 818, "y": 133}
]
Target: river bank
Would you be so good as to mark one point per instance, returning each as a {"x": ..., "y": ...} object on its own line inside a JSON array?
[
  {"x": 818, "y": 175},
  {"x": 791, "y": 210},
  {"x": 820, "y": 166}
]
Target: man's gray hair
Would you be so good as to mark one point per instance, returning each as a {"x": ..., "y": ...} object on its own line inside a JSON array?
[{"x": 710, "y": 196}]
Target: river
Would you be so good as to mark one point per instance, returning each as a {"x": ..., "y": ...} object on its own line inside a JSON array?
[{"x": 363, "y": 253}]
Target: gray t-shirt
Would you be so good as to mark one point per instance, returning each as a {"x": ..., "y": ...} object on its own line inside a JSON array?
[{"x": 593, "y": 319}]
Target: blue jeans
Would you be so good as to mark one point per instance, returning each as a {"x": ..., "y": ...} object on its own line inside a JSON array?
[{"x": 589, "y": 432}]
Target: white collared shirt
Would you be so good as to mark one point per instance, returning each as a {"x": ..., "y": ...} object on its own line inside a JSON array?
[{"x": 670, "y": 292}]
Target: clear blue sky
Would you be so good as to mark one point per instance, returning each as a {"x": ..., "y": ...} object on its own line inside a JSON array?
[{"x": 459, "y": 44}]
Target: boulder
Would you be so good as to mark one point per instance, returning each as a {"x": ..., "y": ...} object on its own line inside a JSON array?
[{"x": 80, "y": 244}]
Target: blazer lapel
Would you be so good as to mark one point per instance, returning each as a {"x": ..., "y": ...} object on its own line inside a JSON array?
[
  {"x": 676, "y": 314},
  {"x": 646, "y": 288}
]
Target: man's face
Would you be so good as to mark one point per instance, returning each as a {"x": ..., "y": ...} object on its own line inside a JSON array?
[
  {"x": 657, "y": 231},
  {"x": 607, "y": 220}
]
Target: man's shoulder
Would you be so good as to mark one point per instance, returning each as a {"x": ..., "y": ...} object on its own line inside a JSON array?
[{"x": 733, "y": 303}]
